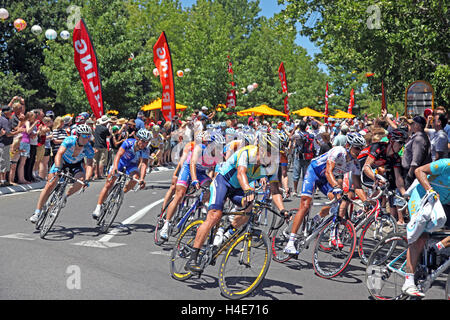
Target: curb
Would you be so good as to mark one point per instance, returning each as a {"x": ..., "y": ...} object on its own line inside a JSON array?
[
  {"x": 41, "y": 184},
  {"x": 22, "y": 188}
]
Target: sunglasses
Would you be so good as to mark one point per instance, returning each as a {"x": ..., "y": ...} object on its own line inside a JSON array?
[{"x": 85, "y": 136}]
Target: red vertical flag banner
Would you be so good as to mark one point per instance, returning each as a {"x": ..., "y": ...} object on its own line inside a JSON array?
[
  {"x": 282, "y": 76},
  {"x": 383, "y": 97},
  {"x": 231, "y": 96},
  {"x": 163, "y": 62},
  {"x": 86, "y": 63},
  {"x": 352, "y": 102},
  {"x": 326, "y": 104}
]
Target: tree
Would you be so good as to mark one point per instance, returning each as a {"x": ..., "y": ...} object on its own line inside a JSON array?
[{"x": 400, "y": 41}]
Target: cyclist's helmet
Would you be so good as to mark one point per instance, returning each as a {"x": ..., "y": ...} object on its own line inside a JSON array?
[
  {"x": 284, "y": 138},
  {"x": 218, "y": 138},
  {"x": 83, "y": 129},
  {"x": 144, "y": 134},
  {"x": 354, "y": 139},
  {"x": 399, "y": 135}
]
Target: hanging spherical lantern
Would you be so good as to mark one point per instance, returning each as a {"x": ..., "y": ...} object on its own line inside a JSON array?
[
  {"x": 64, "y": 35},
  {"x": 155, "y": 72},
  {"x": 36, "y": 30},
  {"x": 4, "y": 14},
  {"x": 255, "y": 85},
  {"x": 20, "y": 24},
  {"x": 180, "y": 73},
  {"x": 51, "y": 34},
  {"x": 250, "y": 88}
]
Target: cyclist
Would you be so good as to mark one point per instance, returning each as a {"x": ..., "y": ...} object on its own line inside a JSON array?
[
  {"x": 189, "y": 147},
  {"x": 133, "y": 155},
  {"x": 70, "y": 156},
  {"x": 194, "y": 171},
  {"x": 385, "y": 154},
  {"x": 434, "y": 179},
  {"x": 321, "y": 173},
  {"x": 233, "y": 180}
]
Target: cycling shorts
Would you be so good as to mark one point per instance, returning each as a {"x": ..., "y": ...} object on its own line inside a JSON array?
[
  {"x": 311, "y": 181},
  {"x": 128, "y": 170},
  {"x": 74, "y": 168},
  {"x": 220, "y": 190},
  {"x": 184, "y": 176}
]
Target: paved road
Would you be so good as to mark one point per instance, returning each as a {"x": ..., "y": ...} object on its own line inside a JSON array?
[{"x": 78, "y": 263}]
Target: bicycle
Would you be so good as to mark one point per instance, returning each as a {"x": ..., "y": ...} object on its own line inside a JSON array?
[
  {"x": 111, "y": 206},
  {"x": 386, "y": 268},
  {"x": 184, "y": 214},
  {"x": 55, "y": 202},
  {"x": 241, "y": 255}
]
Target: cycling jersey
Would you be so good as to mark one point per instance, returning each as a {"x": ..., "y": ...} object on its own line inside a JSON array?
[
  {"x": 226, "y": 184},
  {"x": 70, "y": 143},
  {"x": 130, "y": 158},
  {"x": 315, "y": 173},
  {"x": 157, "y": 142},
  {"x": 246, "y": 157},
  {"x": 378, "y": 152},
  {"x": 204, "y": 164},
  {"x": 74, "y": 164}
]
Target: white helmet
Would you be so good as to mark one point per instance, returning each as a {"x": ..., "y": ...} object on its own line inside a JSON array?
[
  {"x": 143, "y": 134},
  {"x": 83, "y": 129},
  {"x": 354, "y": 139}
]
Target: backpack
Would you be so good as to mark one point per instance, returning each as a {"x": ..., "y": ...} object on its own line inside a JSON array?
[{"x": 306, "y": 146}]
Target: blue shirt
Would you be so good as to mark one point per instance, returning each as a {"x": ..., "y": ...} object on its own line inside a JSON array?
[
  {"x": 131, "y": 157},
  {"x": 70, "y": 143},
  {"x": 140, "y": 124}
]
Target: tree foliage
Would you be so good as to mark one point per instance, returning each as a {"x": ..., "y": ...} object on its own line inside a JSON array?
[{"x": 399, "y": 41}]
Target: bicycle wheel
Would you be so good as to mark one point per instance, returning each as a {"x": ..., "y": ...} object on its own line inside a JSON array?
[
  {"x": 244, "y": 266},
  {"x": 182, "y": 251},
  {"x": 112, "y": 208},
  {"x": 53, "y": 209},
  {"x": 372, "y": 233},
  {"x": 45, "y": 209},
  {"x": 447, "y": 288},
  {"x": 329, "y": 260},
  {"x": 160, "y": 223},
  {"x": 385, "y": 272}
]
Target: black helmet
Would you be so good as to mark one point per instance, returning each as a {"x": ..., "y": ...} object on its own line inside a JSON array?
[{"x": 399, "y": 135}]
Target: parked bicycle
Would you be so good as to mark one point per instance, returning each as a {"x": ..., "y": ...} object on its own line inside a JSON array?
[
  {"x": 386, "y": 267},
  {"x": 56, "y": 201},
  {"x": 111, "y": 206},
  {"x": 246, "y": 260}
]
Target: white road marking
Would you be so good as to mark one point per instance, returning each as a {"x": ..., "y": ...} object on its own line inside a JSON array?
[
  {"x": 98, "y": 244},
  {"x": 161, "y": 253},
  {"x": 135, "y": 217},
  {"x": 19, "y": 236}
]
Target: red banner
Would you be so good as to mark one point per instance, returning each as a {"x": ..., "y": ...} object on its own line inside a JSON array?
[
  {"x": 163, "y": 62},
  {"x": 231, "y": 96},
  {"x": 86, "y": 63},
  {"x": 352, "y": 101},
  {"x": 383, "y": 97},
  {"x": 282, "y": 76},
  {"x": 326, "y": 104}
]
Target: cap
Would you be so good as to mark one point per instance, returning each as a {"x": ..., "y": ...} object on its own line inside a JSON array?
[
  {"x": 427, "y": 112},
  {"x": 420, "y": 120}
]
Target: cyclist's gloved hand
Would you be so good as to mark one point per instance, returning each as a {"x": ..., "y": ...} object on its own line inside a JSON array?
[
  {"x": 249, "y": 195},
  {"x": 337, "y": 191},
  {"x": 196, "y": 184},
  {"x": 367, "y": 205},
  {"x": 87, "y": 183},
  {"x": 432, "y": 196},
  {"x": 284, "y": 212},
  {"x": 142, "y": 184}
]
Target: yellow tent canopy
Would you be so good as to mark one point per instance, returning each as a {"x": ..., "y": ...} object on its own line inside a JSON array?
[
  {"x": 343, "y": 115},
  {"x": 308, "y": 112},
  {"x": 157, "y": 104},
  {"x": 261, "y": 110}
]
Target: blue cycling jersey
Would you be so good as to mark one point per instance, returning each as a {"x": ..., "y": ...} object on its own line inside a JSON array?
[
  {"x": 246, "y": 157},
  {"x": 130, "y": 158},
  {"x": 70, "y": 143}
]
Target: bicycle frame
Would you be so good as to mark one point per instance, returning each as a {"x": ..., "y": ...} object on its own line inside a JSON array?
[{"x": 194, "y": 207}]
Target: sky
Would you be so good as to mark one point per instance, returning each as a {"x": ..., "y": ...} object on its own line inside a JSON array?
[{"x": 268, "y": 9}]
